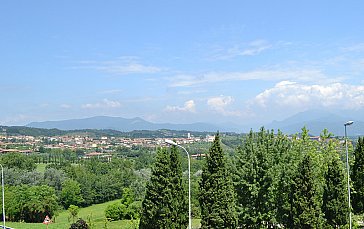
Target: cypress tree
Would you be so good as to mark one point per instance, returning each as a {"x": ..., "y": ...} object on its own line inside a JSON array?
[
  {"x": 335, "y": 202},
  {"x": 358, "y": 177},
  {"x": 165, "y": 205},
  {"x": 305, "y": 209},
  {"x": 179, "y": 203},
  {"x": 217, "y": 197}
]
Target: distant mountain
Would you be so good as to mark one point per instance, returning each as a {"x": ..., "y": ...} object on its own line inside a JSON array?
[
  {"x": 122, "y": 124},
  {"x": 314, "y": 120},
  {"x": 317, "y": 120}
]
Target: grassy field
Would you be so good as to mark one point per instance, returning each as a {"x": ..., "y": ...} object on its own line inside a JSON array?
[
  {"x": 94, "y": 212},
  {"x": 41, "y": 167}
]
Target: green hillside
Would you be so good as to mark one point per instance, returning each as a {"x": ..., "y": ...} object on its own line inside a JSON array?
[{"x": 94, "y": 212}]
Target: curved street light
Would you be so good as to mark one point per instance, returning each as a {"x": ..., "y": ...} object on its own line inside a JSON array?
[
  {"x": 170, "y": 142},
  {"x": 347, "y": 167},
  {"x": 2, "y": 183}
]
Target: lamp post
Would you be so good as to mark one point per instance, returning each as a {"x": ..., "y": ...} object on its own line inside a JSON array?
[
  {"x": 347, "y": 167},
  {"x": 189, "y": 180},
  {"x": 2, "y": 183}
]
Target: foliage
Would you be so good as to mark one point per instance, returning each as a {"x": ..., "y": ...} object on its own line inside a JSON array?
[
  {"x": 305, "y": 208},
  {"x": 18, "y": 160},
  {"x": 73, "y": 211},
  {"x": 30, "y": 203},
  {"x": 71, "y": 193},
  {"x": 164, "y": 204},
  {"x": 54, "y": 178},
  {"x": 16, "y": 176},
  {"x": 254, "y": 176},
  {"x": 217, "y": 197},
  {"x": 358, "y": 177},
  {"x": 125, "y": 209},
  {"x": 335, "y": 203},
  {"x": 80, "y": 224}
]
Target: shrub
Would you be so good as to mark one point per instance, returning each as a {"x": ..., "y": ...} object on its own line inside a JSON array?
[{"x": 80, "y": 224}]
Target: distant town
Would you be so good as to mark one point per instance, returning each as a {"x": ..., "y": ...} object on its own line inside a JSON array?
[{"x": 30, "y": 144}]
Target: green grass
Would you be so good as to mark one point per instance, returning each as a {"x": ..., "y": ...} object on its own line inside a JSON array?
[
  {"x": 41, "y": 167},
  {"x": 95, "y": 212}
]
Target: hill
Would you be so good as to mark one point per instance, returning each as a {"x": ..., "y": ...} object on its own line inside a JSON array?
[
  {"x": 316, "y": 121},
  {"x": 121, "y": 124}
]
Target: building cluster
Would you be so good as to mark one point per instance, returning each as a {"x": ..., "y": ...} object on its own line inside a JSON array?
[{"x": 28, "y": 144}]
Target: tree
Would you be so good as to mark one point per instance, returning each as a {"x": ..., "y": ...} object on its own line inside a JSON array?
[
  {"x": 305, "y": 209},
  {"x": 179, "y": 202},
  {"x": 254, "y": 172},
  {"x": 73, "y": 210},
  {"x": 125, "y": 209},
  {"x": 18, "y": 160},
  {"x": 358, "y": 177},
  {"x": 71, "y": 193},
  {"x": 164, "y": 204},
  {"x": 30, "y": 203},
  {"x": 335, "y": 203},
  {"x": 217, "y": 197}
]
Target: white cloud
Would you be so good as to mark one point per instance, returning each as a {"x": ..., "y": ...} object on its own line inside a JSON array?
[
  {"x": 267, "y": 75},
  {"x": 189, "y": 106},
  {"x": 111, "y": 91},
  {"x": 248, "y": 49},
  {"x": 220, "y": 103},
  {"x": 65, "y": 106},
  {"x": 290, "y": 94},
  {"x": 354, "y": 48},
  {"x": 120, "y": 66},
  {"x": 103, "y": 104}
]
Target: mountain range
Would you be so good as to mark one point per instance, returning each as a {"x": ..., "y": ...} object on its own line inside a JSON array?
[
  {"x": 314, "y": 120},
  {"x": 121, "y": 124}
]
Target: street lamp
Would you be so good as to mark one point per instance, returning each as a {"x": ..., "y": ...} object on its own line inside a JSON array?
[
  {"x": 347, "y": 167},
  {"x": 2, "y": 183},
  {"x": 189, "y": 179}
]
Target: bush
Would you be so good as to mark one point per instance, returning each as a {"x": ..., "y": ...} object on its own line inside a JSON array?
[
  {"x": 80, "y": 224},
  {"x": 114, "y": 211},
  {"x": 119, "y": 211}
]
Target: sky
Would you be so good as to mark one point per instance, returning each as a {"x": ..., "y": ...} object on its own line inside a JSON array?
[{"x": 179, "y": 61}]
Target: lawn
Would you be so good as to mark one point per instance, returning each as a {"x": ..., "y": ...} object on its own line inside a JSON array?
[
  {"x": 95, "y": 213},
  {"x": 41, "y": 167}
]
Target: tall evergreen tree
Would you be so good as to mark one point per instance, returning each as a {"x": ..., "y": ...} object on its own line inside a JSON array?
[
  {"x": 165, "y": 204},
  {"x": 358, "y": 177},
  {"x": 305, "y": 209},
  {"x": 335, "y": 203},
  {"x": 179, "y": 203},
  {"x": 217, "y": 197}
]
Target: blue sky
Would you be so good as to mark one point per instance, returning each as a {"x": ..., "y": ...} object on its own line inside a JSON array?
[{"x": 179, "y": 61}]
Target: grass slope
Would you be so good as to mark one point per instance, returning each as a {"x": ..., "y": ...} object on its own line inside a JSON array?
[{"x": 94, "y": 212}]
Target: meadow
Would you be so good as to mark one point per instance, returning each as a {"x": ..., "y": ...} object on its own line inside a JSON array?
[{"x": 94, "y": 213}]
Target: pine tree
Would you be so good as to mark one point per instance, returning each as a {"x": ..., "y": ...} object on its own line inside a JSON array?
[
  {"x": 305, "y": 209},
  {"x": 358, "y": 177},
  {"x": 335, "y": 203},
  {"x": 217, "y": 197},
  {"x": 165, "y": 203}
]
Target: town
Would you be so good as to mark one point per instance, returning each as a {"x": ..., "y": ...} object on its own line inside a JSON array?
[{"x": 104, "y": 144}]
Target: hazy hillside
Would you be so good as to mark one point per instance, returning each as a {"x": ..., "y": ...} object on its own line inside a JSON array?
[{"x": 121, "y": 124}]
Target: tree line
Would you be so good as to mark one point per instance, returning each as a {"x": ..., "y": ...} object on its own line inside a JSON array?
[{"x": 271, "y": 181}]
